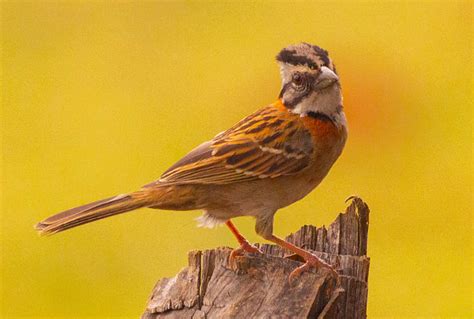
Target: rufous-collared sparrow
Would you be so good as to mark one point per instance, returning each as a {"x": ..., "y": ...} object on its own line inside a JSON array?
[{"x": 267, "y": 161}]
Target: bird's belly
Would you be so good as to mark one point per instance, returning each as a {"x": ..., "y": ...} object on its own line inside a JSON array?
[{"x": 260, "y": 197}]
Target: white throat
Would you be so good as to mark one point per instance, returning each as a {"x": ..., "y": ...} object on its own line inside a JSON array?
[{"x": 327, "y": 101}]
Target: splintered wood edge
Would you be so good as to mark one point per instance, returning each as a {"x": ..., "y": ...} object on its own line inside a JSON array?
[
  {"x": 179, "y": 291},
  {"x": 339, "y": 237}
]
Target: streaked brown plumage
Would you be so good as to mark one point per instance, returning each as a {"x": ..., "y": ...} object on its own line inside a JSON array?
[{"x": 266, "y": 161}]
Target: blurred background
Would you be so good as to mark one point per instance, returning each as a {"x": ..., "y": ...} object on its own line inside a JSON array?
[{"x": 100, "y": 98}]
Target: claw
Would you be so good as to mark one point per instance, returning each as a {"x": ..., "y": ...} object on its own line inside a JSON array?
[
  {"x": 312, "y": 261},
  {"x": 245, "y": 246}
]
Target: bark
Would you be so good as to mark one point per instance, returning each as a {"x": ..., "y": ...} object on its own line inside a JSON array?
[{"x": 257, "y": 285}]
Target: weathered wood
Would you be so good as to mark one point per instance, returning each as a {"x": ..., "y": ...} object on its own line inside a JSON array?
[{"x": 257, "y": 286}]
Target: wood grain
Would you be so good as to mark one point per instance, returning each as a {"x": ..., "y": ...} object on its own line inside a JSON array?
[{"x": 257, "y": 286}]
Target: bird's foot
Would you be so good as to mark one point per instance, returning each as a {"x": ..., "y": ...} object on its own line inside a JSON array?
[
  {"x": 245, "y": 246},
  {"x": 312, "y": 261}
]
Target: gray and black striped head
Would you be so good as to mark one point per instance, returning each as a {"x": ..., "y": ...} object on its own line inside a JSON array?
[
  {"x": 308, "y": 76},
  {"x": 305, "y": 54}
]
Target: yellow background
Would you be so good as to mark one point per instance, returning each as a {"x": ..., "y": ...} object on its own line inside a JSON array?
[{"x": 100, "y": 98}]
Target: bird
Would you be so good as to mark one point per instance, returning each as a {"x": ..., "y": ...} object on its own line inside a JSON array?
[{"x": 267, "y": 161}]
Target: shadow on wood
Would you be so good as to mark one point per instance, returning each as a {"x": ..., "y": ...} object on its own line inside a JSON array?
[{"x": 257, "y": 286}]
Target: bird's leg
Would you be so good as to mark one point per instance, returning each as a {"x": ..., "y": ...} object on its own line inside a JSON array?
[
  {"x": 310, "y": 259},
  {"x": 244, "y": 243}
]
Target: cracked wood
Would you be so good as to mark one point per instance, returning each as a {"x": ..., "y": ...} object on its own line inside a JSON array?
[{"x": 256, "y": 286}]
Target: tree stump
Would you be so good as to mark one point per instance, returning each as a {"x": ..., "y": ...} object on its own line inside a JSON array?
[{"x": 257, "y": 285}]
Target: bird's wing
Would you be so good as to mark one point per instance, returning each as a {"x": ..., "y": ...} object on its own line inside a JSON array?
[{"x": 269, "y": 143}]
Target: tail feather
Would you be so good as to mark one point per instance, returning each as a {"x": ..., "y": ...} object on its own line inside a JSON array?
[{"x": 91, "y": 212}]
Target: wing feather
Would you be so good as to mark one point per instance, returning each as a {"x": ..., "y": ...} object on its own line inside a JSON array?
[{"x": 269, "y": 143}]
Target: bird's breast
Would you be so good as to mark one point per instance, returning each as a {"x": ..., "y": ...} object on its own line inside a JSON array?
[
  {"x": 325, "y": 133},
  {"x": 328, "y": 142}
]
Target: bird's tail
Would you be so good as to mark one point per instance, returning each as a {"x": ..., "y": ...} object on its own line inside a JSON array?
[{"x": 92, "y": 212}]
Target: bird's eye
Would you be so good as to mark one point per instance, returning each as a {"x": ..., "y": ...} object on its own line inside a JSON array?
[{"x": 297, "y": 79}]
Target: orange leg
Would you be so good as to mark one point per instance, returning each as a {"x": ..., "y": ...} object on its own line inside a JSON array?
[
  {"x": 244, "y": 243},
  {"x": 311, "y": 260}
]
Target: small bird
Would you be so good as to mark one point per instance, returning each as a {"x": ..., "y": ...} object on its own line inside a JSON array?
[{"x": 269, "y": 160}]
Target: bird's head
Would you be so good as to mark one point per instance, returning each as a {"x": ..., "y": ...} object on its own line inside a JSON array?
[{"x": 309, "y": 81}]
